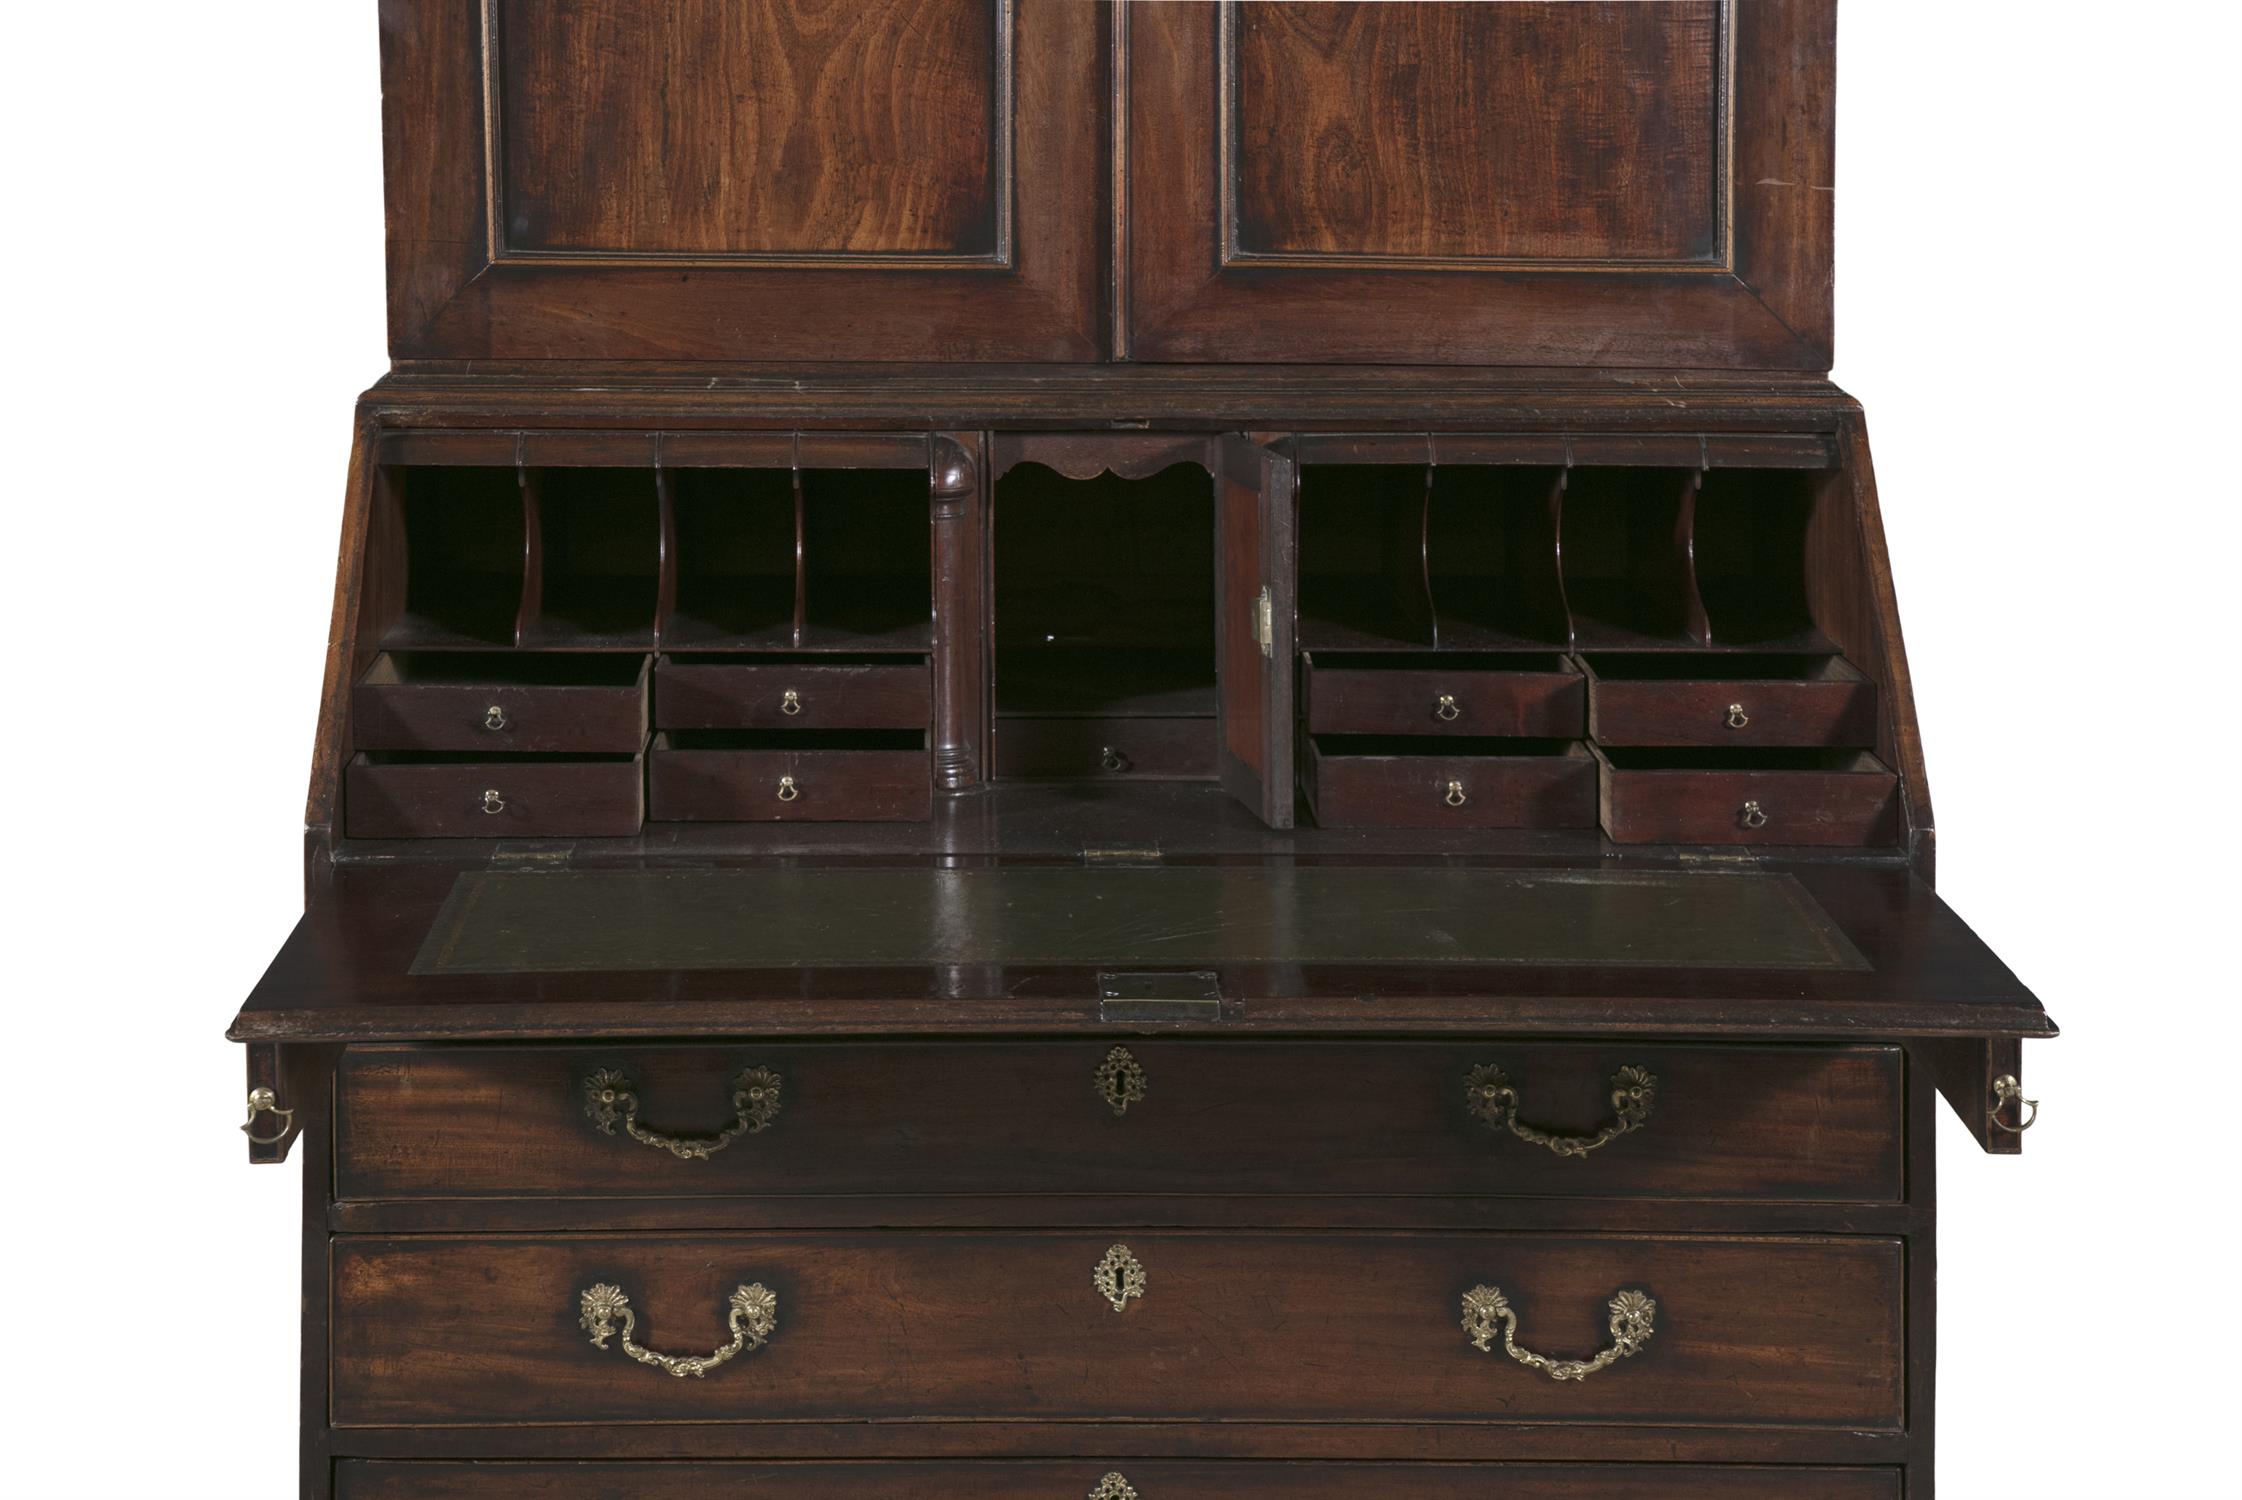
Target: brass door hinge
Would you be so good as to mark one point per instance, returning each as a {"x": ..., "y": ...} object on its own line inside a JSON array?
[{"x": 1265, "y": 622}]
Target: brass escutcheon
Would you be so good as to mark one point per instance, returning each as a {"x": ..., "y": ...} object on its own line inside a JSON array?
[
  {"x": 1113, "y": 1487},
  {"x": 1446, "y": 710},
  {"x": 493, "y": 802},
  {"x": 1490, "y": 1095},
  {"x": 1751, "y": 815},
  {"x": 1119, "y": 1278},
  {"x": 1120, "y": 1080},
  {"x": 752, "y": 1311},
  {"x": 1487, "y": 1313},
  {"x": 494, "y": 718}
]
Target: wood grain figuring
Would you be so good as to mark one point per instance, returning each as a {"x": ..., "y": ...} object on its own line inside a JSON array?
[
  {"x": 1232, "y": 1327},
  {"x": 1061, "y": 1481},
  {"x": 710, "y": 127},
  {"x": 1452, "y": 132},
  {"x": 1763, "y": 1123}
]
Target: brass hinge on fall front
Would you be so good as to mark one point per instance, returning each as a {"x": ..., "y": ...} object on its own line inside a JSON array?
[{"x": 1265, "y": 622}]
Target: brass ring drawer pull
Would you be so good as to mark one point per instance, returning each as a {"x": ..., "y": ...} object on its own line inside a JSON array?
[
  {"x": 791, "y": 703},
  {"x": 1446, "y": 710},
  {"x": 611, "y": 1099},
  {"x": 2007, "y": 1091},
  {"x": 1112, "y": 759},
  {"x": 787, "y": 790},
  {"x": 494, "y": 718},
  {"x": 1737, "y": 718},
  {"x": 1752, "y": 815},
  {"x": 1120, "y": 1080},
  {"x": 1455, "y": 796},
  {"x": 1489, "y": 1094},
  {"x": 263, "y": 1101},
  {"x": 1487, "y": 1313},
  {"x": 493, "y": 802},
  {"x": 752, "y": 1311},
  {"x": 1119, "y": 1278},
  {"x": 1113, "y": 1487}
]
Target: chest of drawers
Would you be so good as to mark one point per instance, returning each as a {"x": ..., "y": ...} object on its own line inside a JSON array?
[{"x": 1142, "y": 752}]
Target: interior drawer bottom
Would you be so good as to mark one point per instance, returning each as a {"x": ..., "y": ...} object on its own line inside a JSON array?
[{"x": 1099, "y": 1480}]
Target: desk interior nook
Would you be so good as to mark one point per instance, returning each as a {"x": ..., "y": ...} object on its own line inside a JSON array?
[{"x": 1112, "y": 751}]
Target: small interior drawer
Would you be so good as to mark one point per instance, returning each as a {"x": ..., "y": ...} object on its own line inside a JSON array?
[
  {"x": 410, "y": 794},
  {"x": 1157, "y": 1479},
  {"x": 505, "y": 702},
  {"x": 806, "y": 776},
  {"x": 1688, "y": 698},
  {"x": 792, "y": 692},
  {"x": 1068, "y": 748},
  {"x": 1695, "y": 796},
  {"x": 1464, "y": 694},
  {"x": 1373, "y": 781}
]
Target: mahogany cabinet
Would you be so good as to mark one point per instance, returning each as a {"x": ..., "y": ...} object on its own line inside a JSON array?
[{"x": 1138, "y": 751}]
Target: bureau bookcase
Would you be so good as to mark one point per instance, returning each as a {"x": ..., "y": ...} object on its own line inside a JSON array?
[{"x": 1117, "y": 750}]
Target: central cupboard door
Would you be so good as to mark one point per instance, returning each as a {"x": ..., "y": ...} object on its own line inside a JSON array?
[
  {"x": 745, "y": 179},
  {"x": 1479, "y": 183}
]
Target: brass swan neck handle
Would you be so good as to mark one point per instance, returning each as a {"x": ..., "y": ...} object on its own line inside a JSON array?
[
  {"x": 611, "y": 1100},
  {"x": 752, "y": 1312},
  {"x": 1488, "y": 1313},
  {"x": 1490, "y": 1095}
]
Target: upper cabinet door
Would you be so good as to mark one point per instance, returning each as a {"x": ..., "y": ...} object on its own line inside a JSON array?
[
  {"x": 745, "y": 179},
  {"x": 1643, "y": 184}
]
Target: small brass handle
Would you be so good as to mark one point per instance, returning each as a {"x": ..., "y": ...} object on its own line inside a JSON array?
[
  {"x": 1487, "y": 1313},
  {"x": 1113, "y": 1487},
  {"x": 1120, "y": 1080},
  {"x": 1737, "y": 718},
  {"x": 1489, "y": 1094},
  {"x": 1455, "y": 796},
  {"x": 1751, "y": 815},
  {"x": 611, "y": 1099},
  {"x": 787, "y": 790},
  {"x": 752, "y": 1311},
  {"x": 2007, "y": 1091},
  {"x": 264, "y": 1101},
  {"x": 1112, "y": 759},
  {"x": 493, "y": 802},
  {"x": 494, "y": 718},
  {"x": 1446, "y": 710},
  {"x": 1119, "y": 1277},
  {"x": 790, "y": 704}
]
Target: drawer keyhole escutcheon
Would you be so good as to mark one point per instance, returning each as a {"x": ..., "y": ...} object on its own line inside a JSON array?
[
  {"x": 1446, "y": 710},
  {"x": 1488, "y": 1315},
  {"x": 494, "y": 718},
  {"x": 1455, "y": 796},
  {"x": 752, "y": 1311},
  {"x": 1490, "y": 1095},
  {"x": 787, "y": 790},
  {"x": 1114, "y": 1487},
  {"x": 1737, "y": 718},
  {"x": 791, "y": 703},
  {"x": 611, "y": 1101},
  {"x": 1120, "y": 1080},
  {"x": 1119, "y": 1278},
  {"x": 1751, "y": 815},
  {"x": 493, "y": 802}
]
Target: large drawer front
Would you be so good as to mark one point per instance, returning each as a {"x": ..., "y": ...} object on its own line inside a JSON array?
[
  {"x": 1069, "y": 1481},
  {"x": 1799, "y": 1123},
  {"x": 1228, "y": 1327}
]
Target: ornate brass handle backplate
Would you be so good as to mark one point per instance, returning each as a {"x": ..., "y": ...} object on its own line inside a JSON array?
[
  {"x": 1489, "y": 1094},
  {"x": 1488, "y": 1314},
  {"x": 753, "y": 1313},
  {"x": 611, "y": 1099}
]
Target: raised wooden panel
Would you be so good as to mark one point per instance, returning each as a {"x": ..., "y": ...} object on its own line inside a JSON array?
[
  {"x": 729, "y": 128},
  {"x": 746, "y": 180},
  {"x": 1476, "y": 183},
  {"x": 1430, "y": 132}
]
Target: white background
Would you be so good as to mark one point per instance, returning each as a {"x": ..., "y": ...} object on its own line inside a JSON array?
[{"x": 2039, "y": 252}]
